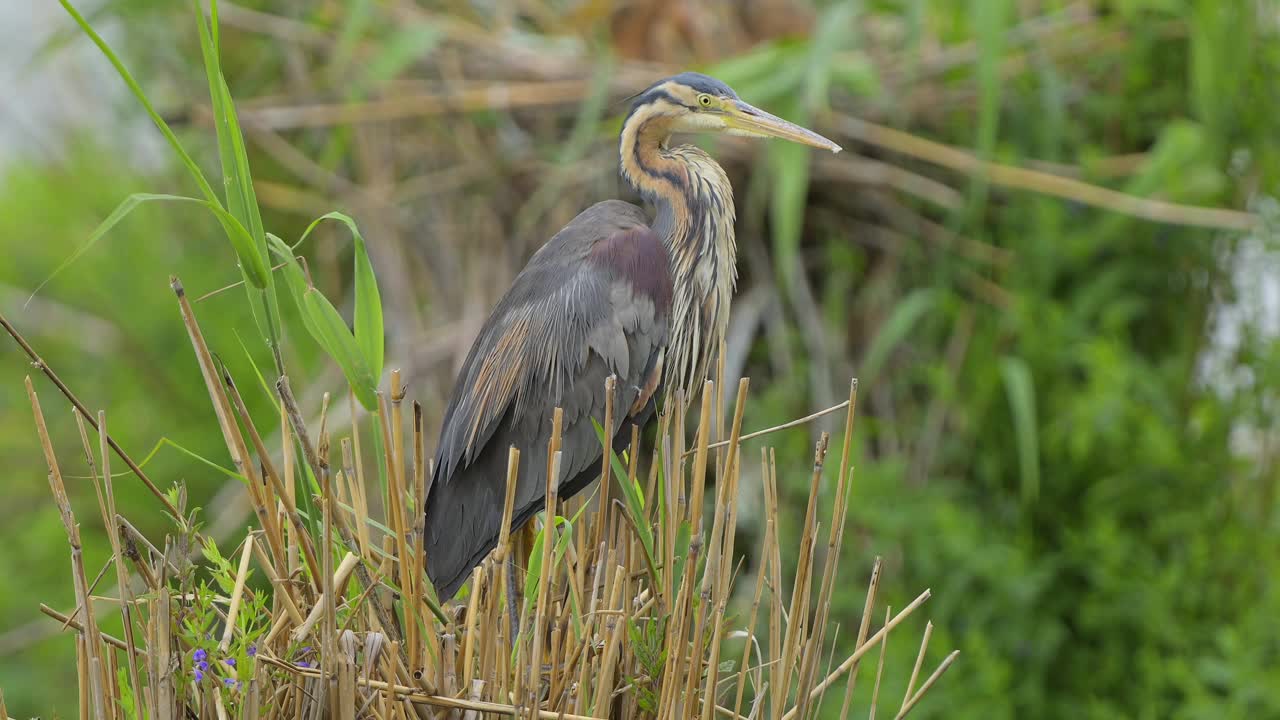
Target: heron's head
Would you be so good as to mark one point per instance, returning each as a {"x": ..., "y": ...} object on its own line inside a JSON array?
[{"x": 693, "y": 102}]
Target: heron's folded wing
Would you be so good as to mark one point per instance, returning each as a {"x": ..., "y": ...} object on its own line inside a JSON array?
[{"x": 535, "y": 352}]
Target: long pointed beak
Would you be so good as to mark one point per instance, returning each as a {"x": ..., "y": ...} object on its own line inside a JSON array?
[{"x": 743, "y": 118}]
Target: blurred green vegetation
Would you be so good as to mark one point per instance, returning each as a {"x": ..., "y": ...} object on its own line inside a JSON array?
[{"x": 1041, "y": 439}]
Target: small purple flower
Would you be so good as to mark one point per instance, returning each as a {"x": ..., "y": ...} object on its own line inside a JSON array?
[
  {"x": 199, "y": 654},
  {"x": 303, "y": 664},
  {"x": 230, "y": 661},
  {"x": 253, "y": 651},
  {"x": 228, "y": 682},
  {"x": 199, "y": 676},
  {"x": 202, "y": 665}
]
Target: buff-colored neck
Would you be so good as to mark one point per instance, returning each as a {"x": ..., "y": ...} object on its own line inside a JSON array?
[{"x": 695, "y": 213}]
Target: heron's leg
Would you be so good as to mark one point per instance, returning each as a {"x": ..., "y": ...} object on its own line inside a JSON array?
[{"x": 511, "y": 600}]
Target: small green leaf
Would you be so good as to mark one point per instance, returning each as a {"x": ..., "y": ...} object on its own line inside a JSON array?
[
  {"x": 534, "y": 571},
  {"x": 633, "y": 497},
  {"x": 295, "y": 279},
  {"x": 333, "y": 335},
  {"x": 369, "y": 331}
]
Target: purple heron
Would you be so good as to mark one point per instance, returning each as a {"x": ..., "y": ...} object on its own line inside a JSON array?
[{"x": 643, "y": 297}]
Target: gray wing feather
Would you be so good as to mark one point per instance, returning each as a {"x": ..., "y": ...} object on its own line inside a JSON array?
[{"x": 573, "y": 317}]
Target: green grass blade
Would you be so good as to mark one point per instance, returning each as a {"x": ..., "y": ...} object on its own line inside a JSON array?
[
  {"x": 990, "y": 25},
  {"x": 534, "y": 572},
  {"x": 633, "y": 497},
  {"x": 234, "y": 230},
  {"x": 268, "y": 394},
  {"x": 1020, "y": 388},
  {"x": 241, "y": 200},
  {"x": 205, "y": 188}
]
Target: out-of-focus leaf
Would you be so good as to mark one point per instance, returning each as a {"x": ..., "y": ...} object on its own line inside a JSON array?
[
  {"x": 834, "y": 28},
  {"x": 1020, "y": 389},
  {"x": 790, "y": 163},
  {"x": 405, "y": 46},
  {"x": 904, "y": 317}
]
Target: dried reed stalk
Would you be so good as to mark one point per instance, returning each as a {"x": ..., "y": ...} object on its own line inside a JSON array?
[{"x": 609, "y": 631}]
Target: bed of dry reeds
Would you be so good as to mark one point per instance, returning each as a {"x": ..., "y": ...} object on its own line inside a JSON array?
[{"x": 324, "y": 610}]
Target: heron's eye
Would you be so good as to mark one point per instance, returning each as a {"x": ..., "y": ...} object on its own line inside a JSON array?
[{"x": 704, "y": 100}]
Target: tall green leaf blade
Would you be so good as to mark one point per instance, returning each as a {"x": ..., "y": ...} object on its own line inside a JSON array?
[
  {"x": 990, "y": 21},
  {"x": 534, "y": 570},
  {"x": 241, "y": 200},
  {"x": 194, "y": 170}
]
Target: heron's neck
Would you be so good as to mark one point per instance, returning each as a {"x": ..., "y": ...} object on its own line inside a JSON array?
[
  {"x": 694, "y": 208},
  {"x": 689, "y": 190}
]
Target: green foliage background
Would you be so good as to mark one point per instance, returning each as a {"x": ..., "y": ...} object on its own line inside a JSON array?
[{"x": 1046, "y": 454}]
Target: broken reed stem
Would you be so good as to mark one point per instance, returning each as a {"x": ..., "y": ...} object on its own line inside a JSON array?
[
  {"x": 769, "y": 539},
  {"x": 502, "y": 557},
  {"x": 237, "y": 594},
  {"x": 862, "y": 649},
  {"x": 915, "y": 670},
  {"x": 835, "y": 540},
  {"x": 39, "y": 363},
  {"x": 122, "y": 575},
  {"x": 884, "y": 646},
  {"x": 863, "y": 628},
  {"x": 933, "y": 678},
  {"x": 385, "y": 617},
  {"x": 799, "y": 611},
  {"x": 574, "y": 658},
  {"x": 230, "y": 430},
  {"x": 606, "y": 465},
  {"x": 92, "y": 642},
  {"x": 700, "y": 458},
  {"x": 712, "y": 591},
  {"x": 283, "y": 489}
]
